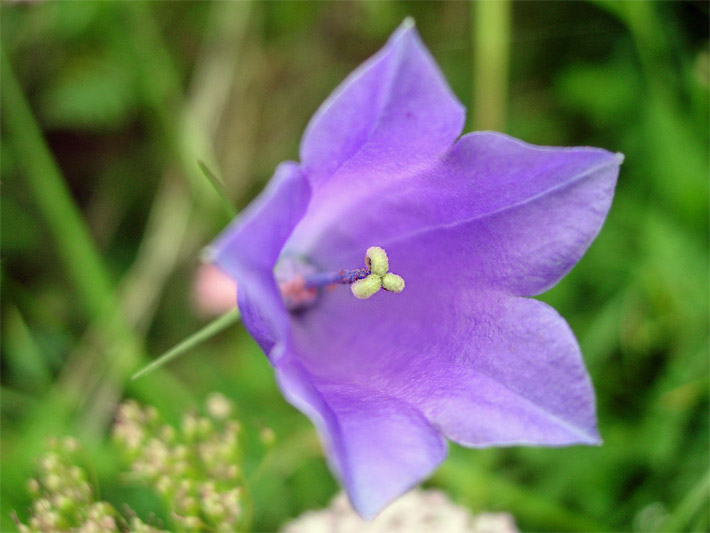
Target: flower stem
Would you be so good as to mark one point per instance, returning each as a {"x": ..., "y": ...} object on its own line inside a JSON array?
[
  {"x": 490, "y": 35},
  {"x": 210, "y": 330},
  {"x": 218, "y": 187}
]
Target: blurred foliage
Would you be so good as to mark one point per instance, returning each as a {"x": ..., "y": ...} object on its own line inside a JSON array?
[{"x": 130, "y": 96}]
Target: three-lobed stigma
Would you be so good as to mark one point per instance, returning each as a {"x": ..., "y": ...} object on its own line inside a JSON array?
[
  {"x": 362, "y": 289},
  {"x": 392, "y": 282},
  {"x": 377, "y": 263}
]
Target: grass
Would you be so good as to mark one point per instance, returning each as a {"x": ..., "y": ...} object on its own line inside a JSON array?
[{"x": 111, "y": 114}]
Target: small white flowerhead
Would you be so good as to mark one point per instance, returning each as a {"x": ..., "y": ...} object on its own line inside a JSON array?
[{"x": 218, "y": 406}]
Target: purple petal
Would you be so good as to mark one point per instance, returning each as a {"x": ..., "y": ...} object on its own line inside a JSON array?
[
  {"x": 484, "y": 367},
  {"x": 396, "y": 109},
  {"x": 539, "y": 208},
  {"x": 378, "y": 446},
  {"x": 519, "y": 216},
  {"x": 525, "y": 384},
  {"x": 248, "y": 249}
]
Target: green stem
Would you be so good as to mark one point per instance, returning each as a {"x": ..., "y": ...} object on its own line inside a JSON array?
[
  {"x": 490, "y": 27},
  {"x": 210, "y": 330},
  {"x": 216, "y": 183}
]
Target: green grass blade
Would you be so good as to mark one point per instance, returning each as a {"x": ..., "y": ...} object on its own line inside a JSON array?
[
  {"x": 691, "y": 506},
  {"x": 82, "y": 260},
  {"x": 219, "y": 189},
  {"x": 22, "y": 354},
  {"x": 64, "y": 220},
  {"x": 210, "y": 330}
]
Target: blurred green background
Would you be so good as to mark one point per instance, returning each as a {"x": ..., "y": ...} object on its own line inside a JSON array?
[{"x": 108, "y": 106}]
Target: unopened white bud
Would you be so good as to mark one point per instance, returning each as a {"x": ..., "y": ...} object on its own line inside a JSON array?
[
  {"x": 214, "y": 509},
  {"x": 70, "y": 444},
  {"x": 77, "y": 473},
  {"x": 267, "y": 436},
  {"x": 392, "y": 283},
  {"x": 168, "y": 433},
  {"x": 218, "y": 406},
  {"x": 42, "y": 506},
  {"x": 376, "y": 260},
  {"x": 189, "y": 426},
  {"x": 193, "y": 523},
  {"x": 205, "y": 426},
  {"x": 53, "y": 482},
  {"x": 50, "y": 462},
  {"x": 181, "y": 452},
  {"x": 64, "y": 503},
  {"x": 151, "y": 413},
  {"x": 189, "y": 505},
  {"x": 34, "y": 487},
  {"x": 164, "y": 484},
  {"x": 364, "y": 288}
]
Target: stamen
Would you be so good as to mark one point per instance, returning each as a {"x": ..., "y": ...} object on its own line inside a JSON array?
[{"x": 300, "y": 289}]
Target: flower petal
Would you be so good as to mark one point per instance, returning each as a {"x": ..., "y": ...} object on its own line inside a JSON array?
[
  {"x": 539, "y": 208},
  {"x": 525, "y": 385},
  {"x": 378, "y": 446},
  {"x": 248, "y": 249},
  {"x": 519, "y": 215},
  {"x": 395, "y": 108},
  {"x": 484, "y": 367}
]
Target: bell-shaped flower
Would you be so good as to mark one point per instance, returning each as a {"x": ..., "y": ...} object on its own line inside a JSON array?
[{"x": 470, "y": 226}]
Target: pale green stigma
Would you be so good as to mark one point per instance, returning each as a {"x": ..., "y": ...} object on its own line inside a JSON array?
[
  {"x": 376, "y": 260},
  {"x": 392, "y": 283},
  {"x": 379, "y": 276},
  {"x": 364, "y": 288}
]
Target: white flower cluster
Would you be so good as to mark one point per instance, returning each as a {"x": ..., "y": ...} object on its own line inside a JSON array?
[
  {"x": 418, "y": 511},
  {"x": 195, "y": 468},
  {"x": 63, "y": 499}
]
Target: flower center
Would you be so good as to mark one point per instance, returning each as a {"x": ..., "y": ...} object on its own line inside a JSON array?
[{"x": 300, "y": 282}]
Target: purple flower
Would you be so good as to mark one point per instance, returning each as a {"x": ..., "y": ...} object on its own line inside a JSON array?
[{"x": 473, "y": 225}]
